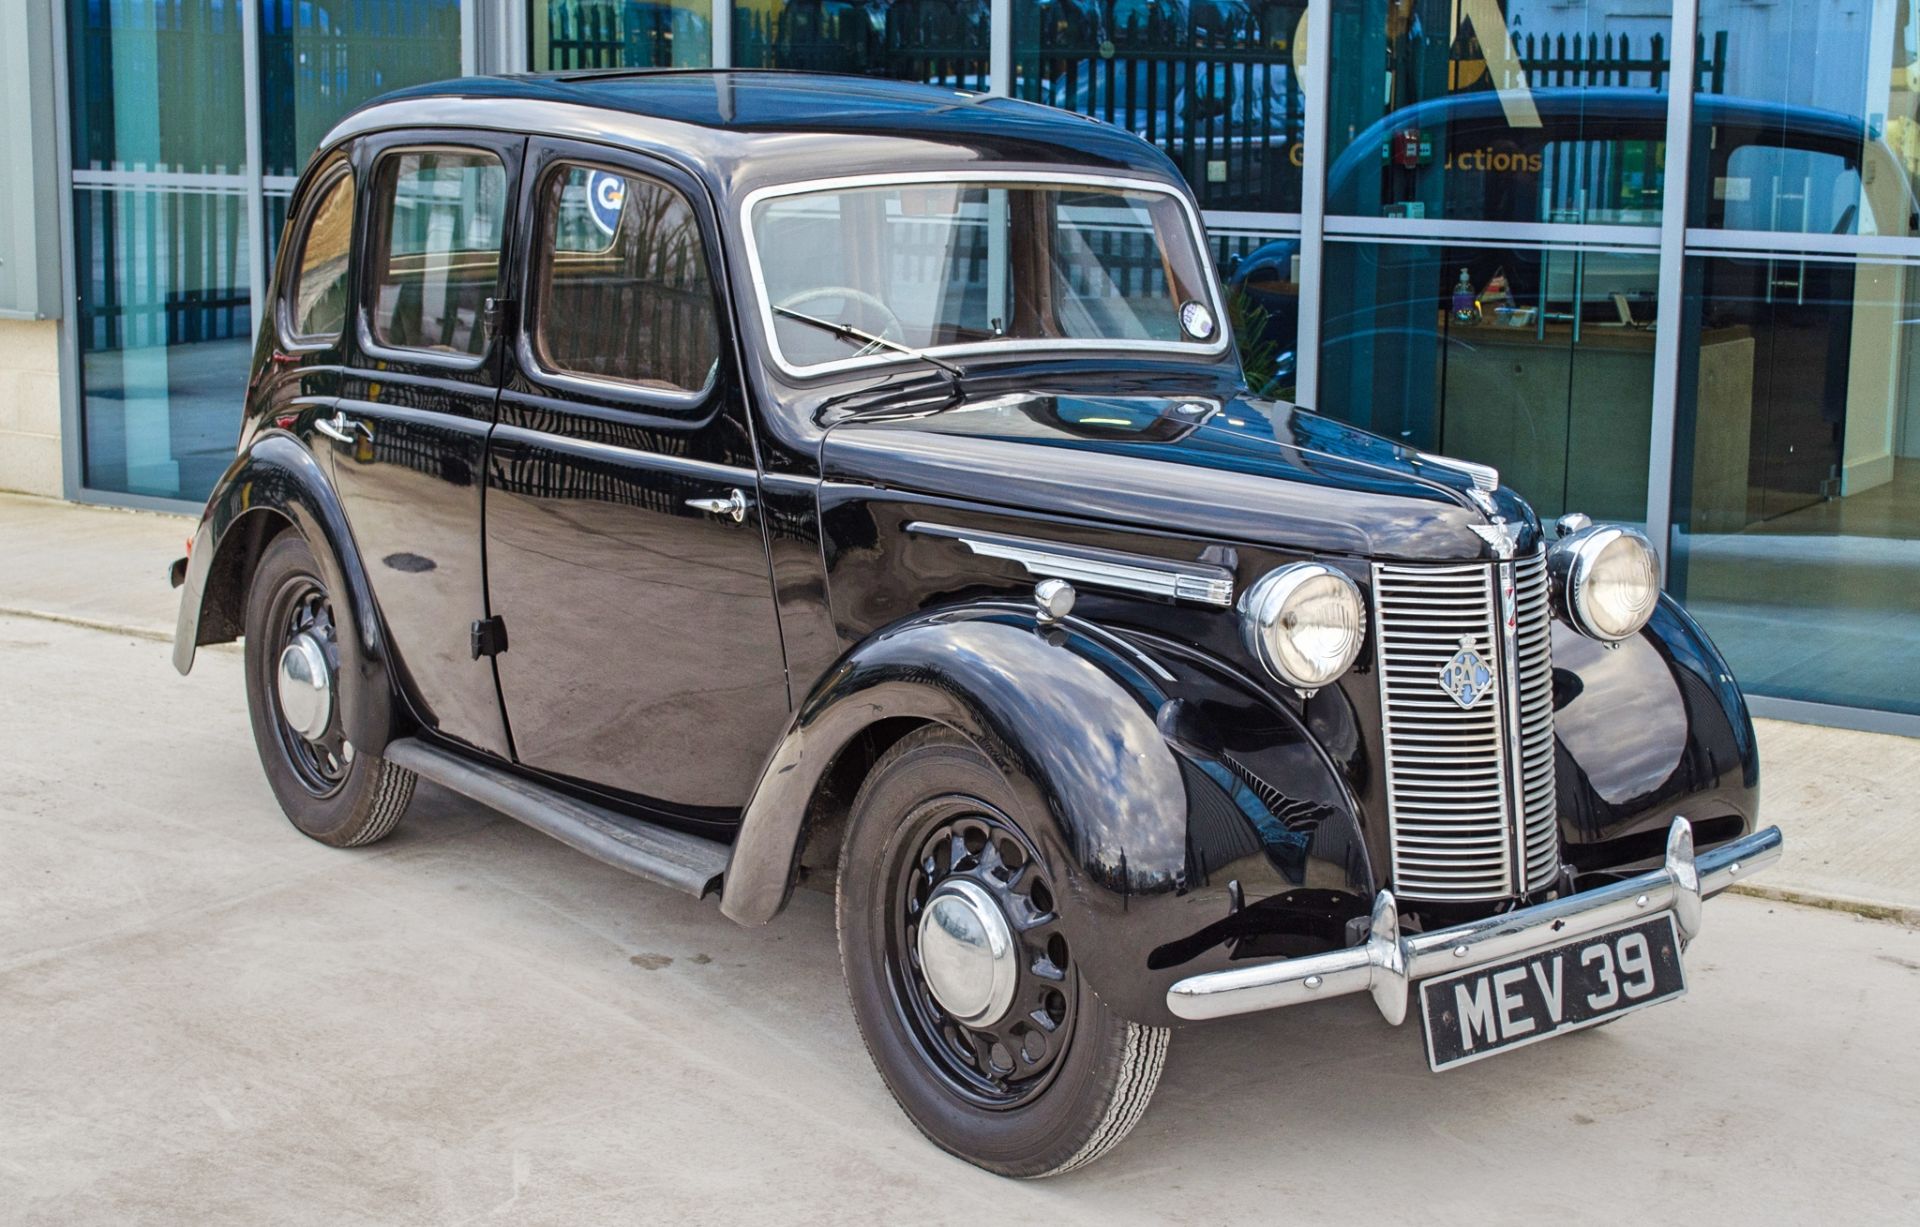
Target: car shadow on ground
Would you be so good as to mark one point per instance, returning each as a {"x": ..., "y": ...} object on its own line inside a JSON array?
[{"x": 1245, "y": 1098}]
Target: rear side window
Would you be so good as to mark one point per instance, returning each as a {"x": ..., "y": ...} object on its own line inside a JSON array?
[
  {"x": 623, "y": 292},
  {"x": 437, "y": 255},
  {"x": 317, "y": 298}
]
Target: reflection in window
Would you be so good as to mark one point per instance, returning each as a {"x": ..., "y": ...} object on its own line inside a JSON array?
[
  {"x": 1796, "y": 514},
  {"x": 1813, "y": 124},
  {"x": 573, "y": 34},
  {"x": 438, "y": 258},
  {"x": 1261, "y": 274},
  {"x": 624, "y": 292},
  {"x": 936, "y": 42},
  {"x": 317, "y": 307},
  {"x": 1538, "y": 362},
  {"x": 1214, "y": 83},
  {"x": 1522, "y": 110}
]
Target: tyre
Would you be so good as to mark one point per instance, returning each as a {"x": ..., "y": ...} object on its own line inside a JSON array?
[
  {"x": 294, "y": 694},
  {"x": 965, "y": 988}
]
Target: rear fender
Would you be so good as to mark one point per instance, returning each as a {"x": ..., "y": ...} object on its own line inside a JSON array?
[{"x": 279, "y": 478}]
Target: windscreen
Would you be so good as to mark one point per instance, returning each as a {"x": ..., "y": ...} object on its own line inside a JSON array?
[{"x": 967, "y": 266}]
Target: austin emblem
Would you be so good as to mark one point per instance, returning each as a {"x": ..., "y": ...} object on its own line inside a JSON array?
[{"x": 1466, "y": 676}]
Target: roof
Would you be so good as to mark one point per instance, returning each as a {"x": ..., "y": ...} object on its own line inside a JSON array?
[{"x": 773, "y": 124}]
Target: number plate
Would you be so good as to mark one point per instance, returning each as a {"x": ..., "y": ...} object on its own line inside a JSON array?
[{"x": 1477, "y": 1013}]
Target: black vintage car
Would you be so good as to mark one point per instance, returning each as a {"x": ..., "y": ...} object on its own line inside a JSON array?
[{"x": 750, "y": 478}]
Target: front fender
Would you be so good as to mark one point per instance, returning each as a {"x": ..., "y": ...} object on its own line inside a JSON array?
[
  {"x": 1172, "y": 855},
  {"x": 276, "y": 476},
  {"x": 1647, "y": 729}
]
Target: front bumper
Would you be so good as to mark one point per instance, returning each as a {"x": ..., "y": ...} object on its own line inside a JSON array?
[{"x": 1388, "y": 963}]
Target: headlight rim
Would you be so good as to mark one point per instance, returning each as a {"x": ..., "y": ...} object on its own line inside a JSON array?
[
  {"x": 1264, "y": 601},
  {"x": 1571, "y": 563}
]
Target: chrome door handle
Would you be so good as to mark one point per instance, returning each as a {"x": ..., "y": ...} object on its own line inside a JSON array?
[
  {"x": 340, "y": 427},
  {"x": 734, "y": 506}
]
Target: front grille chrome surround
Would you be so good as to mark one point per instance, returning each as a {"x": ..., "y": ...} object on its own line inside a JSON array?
[{"x": 1470, "y": 791}]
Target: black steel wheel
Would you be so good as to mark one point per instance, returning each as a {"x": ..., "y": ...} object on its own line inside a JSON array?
[
  {"x": 955, "y": 841},
  {"x": 303, "y": 613},
  {"x": 296, "y": 694},
  {"x": 963, "y": 979}
]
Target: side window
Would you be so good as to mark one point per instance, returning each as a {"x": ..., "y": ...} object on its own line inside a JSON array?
[
  {"x": 436, "y": 258},
  {"x": 622, "y": 286},
  {"x": 317, "y": 295}
]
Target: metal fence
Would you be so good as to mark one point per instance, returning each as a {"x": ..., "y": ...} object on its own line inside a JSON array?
[
  {"x": 931, "y": 41},
  {"x": 584, "y": 34}
]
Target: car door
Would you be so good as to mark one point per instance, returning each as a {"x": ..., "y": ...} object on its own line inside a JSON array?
[
  {"x": 625, "y": 551},
  {"x": 416, "y": 403}
]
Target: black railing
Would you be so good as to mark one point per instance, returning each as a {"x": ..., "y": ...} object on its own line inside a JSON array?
[{"x": 619, "y": 34}]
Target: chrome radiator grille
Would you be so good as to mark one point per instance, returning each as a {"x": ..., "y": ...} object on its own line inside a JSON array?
[{"x": 1470, "y": 790}]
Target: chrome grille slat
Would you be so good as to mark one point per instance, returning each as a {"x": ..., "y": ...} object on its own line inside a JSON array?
[
  {"x": 1533, "y": 666},
  {"x": 1470, "y": 791}
]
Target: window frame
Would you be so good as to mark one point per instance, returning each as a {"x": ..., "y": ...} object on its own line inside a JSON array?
[
  {"x": 331, "y": 170},
  {"x": 1210, "y": 281},
  {"x": 376, "y": 236},
  {"x": 556, "y": 159}
]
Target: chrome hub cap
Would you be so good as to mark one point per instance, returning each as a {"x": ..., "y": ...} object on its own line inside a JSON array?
[
  {"x": 306, "y": 687},
  {"x": 967, "y": 953}
]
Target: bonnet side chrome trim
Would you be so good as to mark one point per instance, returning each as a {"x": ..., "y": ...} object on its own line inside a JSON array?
[{"x": 1199, "y": 582}]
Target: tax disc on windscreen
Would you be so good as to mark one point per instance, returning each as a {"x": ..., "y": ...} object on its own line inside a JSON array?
[
  {"x": 1196, "y": 319},
  {"x": 606, "y": 193}
]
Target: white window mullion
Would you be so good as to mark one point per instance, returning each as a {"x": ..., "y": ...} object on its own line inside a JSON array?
[
  {"x": 254, "y": 171},
  {"x": 720, "y": 23},
  {"x": 1313, "y": 199},
  {"x": 1000, "y": 48},
  {"x": 1673, "y": 267}
]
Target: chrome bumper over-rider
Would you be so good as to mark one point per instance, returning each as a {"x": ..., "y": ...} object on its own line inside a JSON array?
[{"x": 1387, "y": 964}]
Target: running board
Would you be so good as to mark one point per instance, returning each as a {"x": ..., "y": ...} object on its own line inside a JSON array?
[{"x": 687, "y": 863}]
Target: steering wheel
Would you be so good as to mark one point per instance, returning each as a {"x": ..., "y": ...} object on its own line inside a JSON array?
[{"x": 892, "y": 322}]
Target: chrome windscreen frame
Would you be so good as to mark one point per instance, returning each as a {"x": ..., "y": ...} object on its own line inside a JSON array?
[
  {"x": 1196, "y": 232},
  {"x": 1387, "y": 963}
]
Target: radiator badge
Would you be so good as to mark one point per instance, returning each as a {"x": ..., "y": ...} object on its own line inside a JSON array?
[{"x": 1466, "y": 676}]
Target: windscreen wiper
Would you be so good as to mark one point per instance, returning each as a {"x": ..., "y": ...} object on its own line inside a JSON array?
[{"x": 868, "y": 340}]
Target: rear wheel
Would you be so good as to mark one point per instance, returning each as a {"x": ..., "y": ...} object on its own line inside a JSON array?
[
  {"x": 964, "y": 986},
  {"x": 328, "y": 790}
]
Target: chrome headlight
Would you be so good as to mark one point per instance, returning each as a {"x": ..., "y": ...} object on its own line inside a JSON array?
[
  {"x": 1606, "y": 580},
  {"x": 1304, "y": 623}
]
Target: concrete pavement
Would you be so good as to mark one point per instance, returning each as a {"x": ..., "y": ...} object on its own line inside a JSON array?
[
  {"x": 206, "y": 1018},
  {"x": 1843, "y": 798}
]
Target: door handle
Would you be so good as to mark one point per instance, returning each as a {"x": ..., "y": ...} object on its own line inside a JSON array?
[
  {"x": 340, "y": 427},
  {"x": 734, "y": 506}
]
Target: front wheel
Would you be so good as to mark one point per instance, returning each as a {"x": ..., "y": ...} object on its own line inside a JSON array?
[
  {"x": 964, "y": 986},
  {"x": 294, "y": 695}
]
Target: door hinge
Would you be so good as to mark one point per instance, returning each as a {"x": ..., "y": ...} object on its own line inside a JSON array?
[{"x": 489, "y": 637}]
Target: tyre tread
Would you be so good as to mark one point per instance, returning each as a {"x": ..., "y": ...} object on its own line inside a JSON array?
[
  {"x": 1140, "y": 1065},
  {"x": 392, "y": 793}
]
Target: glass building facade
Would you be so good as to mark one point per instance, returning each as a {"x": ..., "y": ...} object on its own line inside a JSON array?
[
  {"x": 189, "y": 122},
  {"x": 1657, "y": 260}
]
